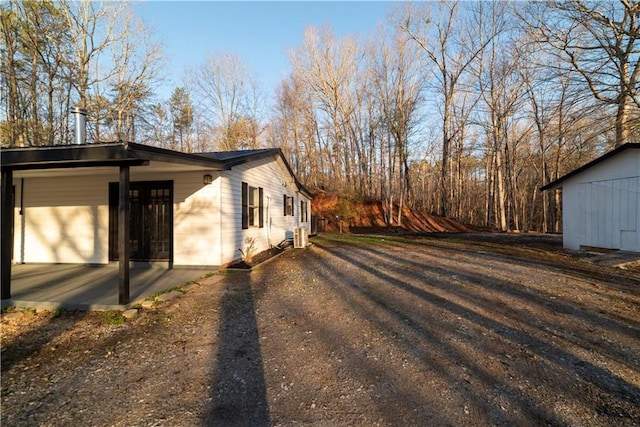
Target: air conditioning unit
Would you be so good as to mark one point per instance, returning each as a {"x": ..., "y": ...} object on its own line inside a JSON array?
[{"x": 300, "y": 237}]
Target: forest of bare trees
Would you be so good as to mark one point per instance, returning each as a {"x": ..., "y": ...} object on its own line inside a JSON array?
[{"x": 462, "y": 109}]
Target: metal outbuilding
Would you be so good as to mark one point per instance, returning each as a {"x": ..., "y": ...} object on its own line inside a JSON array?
[{"x": 600, "y": 203}]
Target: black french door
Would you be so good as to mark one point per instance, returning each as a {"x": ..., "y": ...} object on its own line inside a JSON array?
[{"x": 151, "y": 226}]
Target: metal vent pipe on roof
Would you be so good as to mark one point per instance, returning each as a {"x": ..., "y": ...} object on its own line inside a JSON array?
[{"x": 80, "y": 125}]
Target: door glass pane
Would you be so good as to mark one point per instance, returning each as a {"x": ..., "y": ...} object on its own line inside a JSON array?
[
  {"x": 150, "y": 221},
  {"x": 136, "y": 222},
  {"x": 159, "y": 223}
]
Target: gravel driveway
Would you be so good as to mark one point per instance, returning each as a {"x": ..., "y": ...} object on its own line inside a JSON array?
[{"x": 357, "y": 330}]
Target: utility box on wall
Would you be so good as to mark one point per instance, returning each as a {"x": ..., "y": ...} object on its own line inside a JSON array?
[{"x": 300, "y": 238}]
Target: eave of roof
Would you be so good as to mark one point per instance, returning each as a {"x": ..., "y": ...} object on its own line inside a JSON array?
[
  {"x": 114, "y": 154},
  {"x": 131, "y": 154},
  {"x": 236, "y": 158},
  {"x": 558, "y": 182}
]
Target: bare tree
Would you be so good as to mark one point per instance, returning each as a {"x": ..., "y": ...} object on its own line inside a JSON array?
[
  {"x": 328, "y": 67},
  {"x": 600, "y": 44},
  {"x": 294, "y": 128},
  {"x": 502, "y": 90},
  {"x": 92, "y": 30},
  {"x": 36, "y": 40},
  {"x": 398, "y": 79},
  {"x": 137, "y": 61},
  {"x": 158, "y": 123},
  {"x": 232, "y": 97},
  {"x": 451, "y": 47},
  {"x": 13, "y": 122},
  {"x": 93, "y": 55}
]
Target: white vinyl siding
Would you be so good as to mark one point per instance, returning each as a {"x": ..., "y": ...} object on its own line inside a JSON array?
[
  {"x": 272, "y": 177},
  {"x": 66, "y": 212},
  {"x": 66, "y": 219},
  {"x": 196, "y": 213}
]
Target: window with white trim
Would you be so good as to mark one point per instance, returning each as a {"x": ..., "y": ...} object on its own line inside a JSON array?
[
  {"x": 303, "y": 211},
  {"x": 288, "y": 205},
  {"x": 252, "y": 206}
]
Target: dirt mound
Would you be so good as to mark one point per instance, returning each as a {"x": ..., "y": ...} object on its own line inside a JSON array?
[{"x": 360, "y": 216}]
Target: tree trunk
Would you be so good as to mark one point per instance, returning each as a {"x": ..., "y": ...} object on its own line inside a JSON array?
[
  {"x": 502, "y": 213},
  {"x": 622, "y": 116}
]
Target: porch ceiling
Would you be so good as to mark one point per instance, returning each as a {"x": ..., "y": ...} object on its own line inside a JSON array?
[{"x": 149, "y": 167}]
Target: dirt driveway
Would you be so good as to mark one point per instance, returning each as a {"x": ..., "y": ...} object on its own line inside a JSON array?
[{"x": 354, "y": 331}]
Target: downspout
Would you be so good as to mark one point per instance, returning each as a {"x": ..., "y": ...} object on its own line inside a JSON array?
[{"x": 269, "y": 221}]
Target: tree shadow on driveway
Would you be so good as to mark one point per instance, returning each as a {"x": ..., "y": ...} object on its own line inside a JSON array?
[
  {"x": 460, "y": 292},
  {"x": 239, "y": 393}
]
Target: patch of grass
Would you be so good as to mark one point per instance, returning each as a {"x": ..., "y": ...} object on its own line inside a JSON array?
[
  {"x": 78, "y": 347},
  {"x": 166, "y": 291},
  {"x": 57, "y": 313},
  {"x": 31, "y": 312},
  {"x": 617, "y": 302},
  {"x": 231, "y": 271},
  {"x": 363, "y": 239},
  {"x": 113, "y": 318}
]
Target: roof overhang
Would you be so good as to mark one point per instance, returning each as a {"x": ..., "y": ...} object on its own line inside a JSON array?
[
  {"x": 237, "y": 158},
  {"x": 96, "y": 155},
  {"x": 558, "y": 182},
  {"x": 131, "y": 154}
]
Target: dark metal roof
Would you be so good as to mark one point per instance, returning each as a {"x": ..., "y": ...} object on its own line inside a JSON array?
[
  {"x": 235, "y": 158},
  {"x": 558, "y": 182},
  {"x": 238, "y": 157},
  {"x": 132, "y": 154},
  {"x": 91, "y": 155}
]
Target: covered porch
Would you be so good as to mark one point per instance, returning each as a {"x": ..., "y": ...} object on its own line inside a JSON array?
[
  {"x": 90, "y": 287},
  {"x": 69, "y": 213}
]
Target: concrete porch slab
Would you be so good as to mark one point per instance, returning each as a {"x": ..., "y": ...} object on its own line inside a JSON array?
[{"x": 90, "y": 287}]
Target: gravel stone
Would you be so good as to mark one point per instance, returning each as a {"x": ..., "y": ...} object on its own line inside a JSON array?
[
  {"x": 356, "y": 330},
  {"x": 130, "y": 314},
  {"x": 13, "y": 316}
]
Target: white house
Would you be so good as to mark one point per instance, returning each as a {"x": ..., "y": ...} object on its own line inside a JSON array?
[
  {"x": 600, "y": 203},
  {"x": 184, "y": 209}
]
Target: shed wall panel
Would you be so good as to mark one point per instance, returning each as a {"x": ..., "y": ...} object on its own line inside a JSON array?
[{"x": 602, "y": 213}]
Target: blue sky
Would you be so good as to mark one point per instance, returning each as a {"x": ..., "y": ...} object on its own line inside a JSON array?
[{"x": 261, "y": 33}]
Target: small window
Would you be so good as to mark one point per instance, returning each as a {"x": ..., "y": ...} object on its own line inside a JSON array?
[
  {"x": 303, "y": 211},
  {"x": 288, "y": 205},
  {"x": 252, "y": 206}
]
